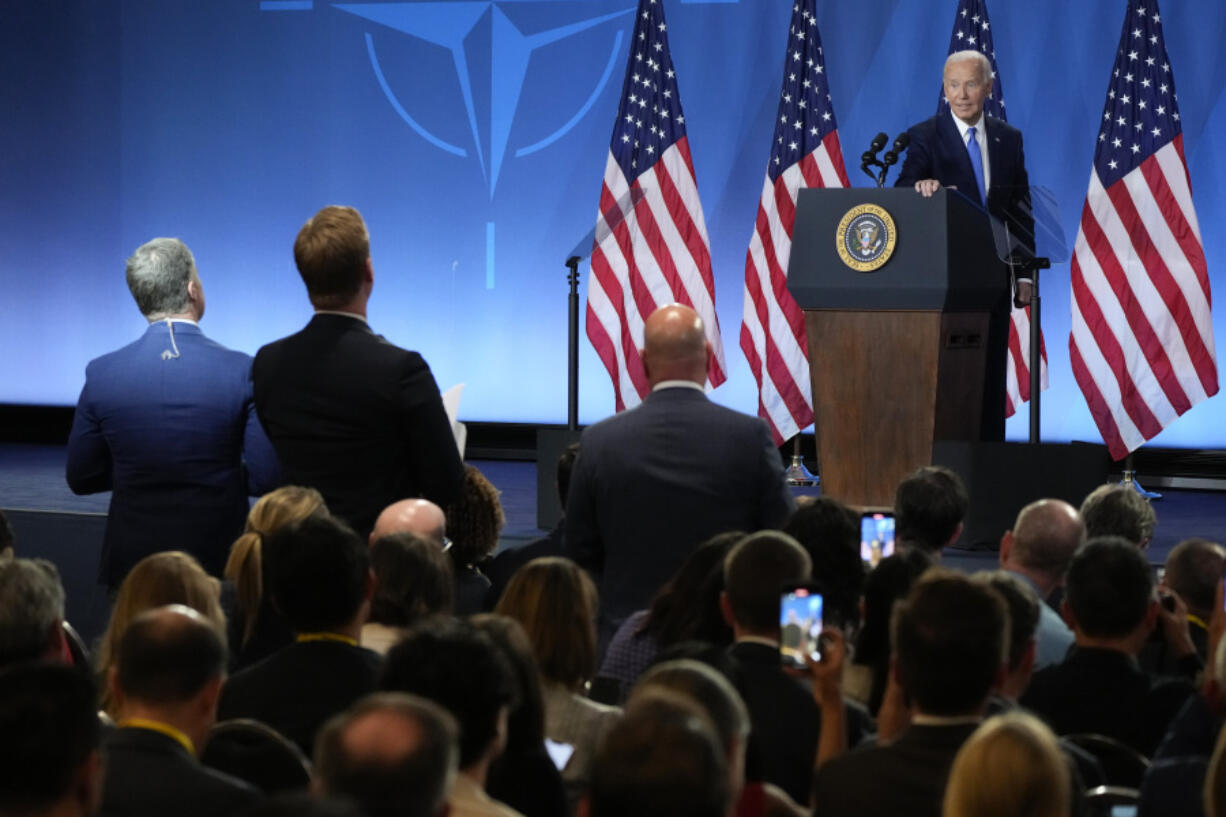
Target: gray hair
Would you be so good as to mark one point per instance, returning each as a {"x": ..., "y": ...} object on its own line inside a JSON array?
[
  {"x": 985, "y": 65},
  {"x": 158, "y": 274},
  {"x": 31, "y": 607}
]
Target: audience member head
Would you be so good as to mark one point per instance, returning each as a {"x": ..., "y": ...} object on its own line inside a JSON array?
[
  {"x": 49, "y": 742},
  {"x": 171, "y": 577},
  {"x": 169, "y": 668},
  {"x": 929, "y": 507},
  {"x": 245, "y": 567},
  {"x": 475, "y": 520},
  {"x": 8, "y": 540},
  {"x": 420, "y": 517},
  {"x": 1109, "y": 594},
  {"x": 332, "y": 252},
  {"x": 829, "y": 531},
  {"x": 394, "y": 754},
  {"x": 566, "y": 466},
  {"x": 1024, "y": 607},
  {"x": 755, "y": 571},
  {"x": 687, "y": 606},
  {"x": 1193, "y": 570},
  {"x": 718, "y": 698},
  {"x": 1118, "y": 510},
  {"x": 319, "y": 575},
  {"x": 884, "y": 586},
  {"x": 675, "y": 345},
  {"x": 526, "y": 720},
  {"x": 413, "y": 579},
  {"x": 555, "y": 602},
  {"x": 1044, "y": 537},
  {"x": 31, "y": 611},
  {"x": 460, "y": 668},
  {"x": 949, "y": 637},
  {"x": 661, "y": 759},
  {"x": 1011, "y": 767},
  {"x": 163, "y": 279}
]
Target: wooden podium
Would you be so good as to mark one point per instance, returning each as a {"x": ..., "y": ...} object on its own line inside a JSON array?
[{"x": 896, "y": 354}]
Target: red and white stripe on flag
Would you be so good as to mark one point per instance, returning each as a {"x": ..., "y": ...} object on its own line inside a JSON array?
[
  {"x": 651, "y": 245},
  {"x": 1141, "y": 344},
  {"x": 805, "y": 152}
]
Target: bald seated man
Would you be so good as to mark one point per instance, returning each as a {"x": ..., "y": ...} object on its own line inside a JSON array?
[
  {"x": 418, "y": 516},
  {"x": 656, "y": 480},
  {"x": 1038, "y": 550}
]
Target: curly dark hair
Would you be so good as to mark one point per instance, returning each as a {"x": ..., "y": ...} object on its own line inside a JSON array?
[{"x": 475, "y": 520}]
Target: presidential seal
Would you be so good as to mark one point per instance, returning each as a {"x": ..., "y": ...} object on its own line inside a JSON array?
[{"x": 865, "y": 238}]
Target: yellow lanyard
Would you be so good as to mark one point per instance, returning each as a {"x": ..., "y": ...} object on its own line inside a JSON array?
[
  {"x": 344, "y": 639},
  {"x": 164, "y": 728}
]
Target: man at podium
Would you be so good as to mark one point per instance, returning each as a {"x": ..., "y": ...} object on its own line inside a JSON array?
[{"x": 980, "y": 156}]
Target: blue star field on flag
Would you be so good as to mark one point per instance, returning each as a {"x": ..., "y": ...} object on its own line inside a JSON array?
[
  {"x": 973, "y": 32},
  {"x": 805, "y": 113},
  {"x": 1141, "y": 113},
  {"x": 649, "y": 118}
]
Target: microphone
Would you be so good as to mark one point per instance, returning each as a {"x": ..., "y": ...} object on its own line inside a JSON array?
[
  {"x": 891, "y": 156},
  {"x": 869, "y": 157}
]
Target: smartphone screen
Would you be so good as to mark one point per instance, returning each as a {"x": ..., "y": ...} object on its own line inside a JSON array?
[
  {"x": 800, "y": 625},
  {"x": 876, "y": 537}
]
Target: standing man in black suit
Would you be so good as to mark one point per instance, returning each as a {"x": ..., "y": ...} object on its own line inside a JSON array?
[
  {"x": 982, "y": 157},
  {"x": 653, "y": 482},
  {"x": 950, "y": 643},
  {"x": 348, "y": 413},
  {"x": 167, "y": 680}
]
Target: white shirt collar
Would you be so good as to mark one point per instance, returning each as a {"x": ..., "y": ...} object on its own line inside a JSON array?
[
  {"x": 175, "y": 320},
  {"x": 677, "y": 384},
  {"x": 758, "y": 639},
  {"x": 963, "y": 127},
  {"x": 353, "y": 315}
]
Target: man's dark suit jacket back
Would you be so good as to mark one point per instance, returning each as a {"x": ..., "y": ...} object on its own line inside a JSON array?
[
  {"x": 653, "y": 482},
  {"x": 357, "y": 418},
  {"x": 168, "y": 425},
  {"x": 297, "y": 689},
  {"x": 907, "y": 777},
  {"x": 937, "y": 151},
  {"x": 148, "y": 774},
  {"x": 1105, "y": 691}
]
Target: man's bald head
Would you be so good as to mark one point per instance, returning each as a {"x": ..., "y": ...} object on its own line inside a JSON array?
[
  {"x": 418, "y": 516},
  {"x": 168, "y": 655},
  {"x": 675, "y": 345},
  {"x": 1045, "y": 536},
  {"x": 394, "y": 754}
]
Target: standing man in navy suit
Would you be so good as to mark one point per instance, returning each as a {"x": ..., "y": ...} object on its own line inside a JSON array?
[
  {"x": 654, "y": 482},
  {"x": 168, "y": 425},
  {"x": 350, "y": 414},
  {"x": 981, "y": 156}
]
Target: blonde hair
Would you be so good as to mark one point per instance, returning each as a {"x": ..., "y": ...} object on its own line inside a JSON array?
[
  {"x": 555, "y": 601},
  {"x": 171, "y": 577},
  {"x": 1011, "y": 767},
  {"x": 1215, "y": 777},
  {"x": 245, "y": 567}
]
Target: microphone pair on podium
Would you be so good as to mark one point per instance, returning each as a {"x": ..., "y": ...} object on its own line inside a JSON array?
[{"x": 869, "y": 157}]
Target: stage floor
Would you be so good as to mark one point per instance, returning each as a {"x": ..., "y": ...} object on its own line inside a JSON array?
[{"x": 51, "y": 522}]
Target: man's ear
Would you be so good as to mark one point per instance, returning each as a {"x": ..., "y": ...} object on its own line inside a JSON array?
[
  {"x": 954, "y": 538},
  {"x": 725, "y": 609},
  {"x": 1066, "y": 613},
  {"x": 1006, "y": 546}
]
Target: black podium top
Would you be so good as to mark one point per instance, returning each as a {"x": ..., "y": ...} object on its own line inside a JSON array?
[{"x": 944, "y": 257}]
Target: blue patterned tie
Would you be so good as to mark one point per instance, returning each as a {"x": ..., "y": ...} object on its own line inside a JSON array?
[{"x": 972, "y": 150}]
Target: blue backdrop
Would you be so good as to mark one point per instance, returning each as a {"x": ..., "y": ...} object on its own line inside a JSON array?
[{"x": 473, "y": 137}]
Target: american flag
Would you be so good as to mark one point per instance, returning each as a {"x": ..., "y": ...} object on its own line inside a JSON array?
[
  {"x": 805, "y": 152},
  {"x": 1141, "y": 344},
  {"x": 658, "y": 253},
  {"x": 973, "y": 32}
]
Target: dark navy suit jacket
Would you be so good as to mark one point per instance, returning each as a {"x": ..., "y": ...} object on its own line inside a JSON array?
[
  {"x": 653, "y": 482},
  {"x": 177, "y": 441},
  {"x": 937, "y": 152}
]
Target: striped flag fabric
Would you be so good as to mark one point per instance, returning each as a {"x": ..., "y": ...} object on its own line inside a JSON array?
[
  {"x": 654, "y": 251},
  {"x": 805, "y": 152},
  {"x": 1141, "y": 344},
  {"x": 973, "y": 32}
]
